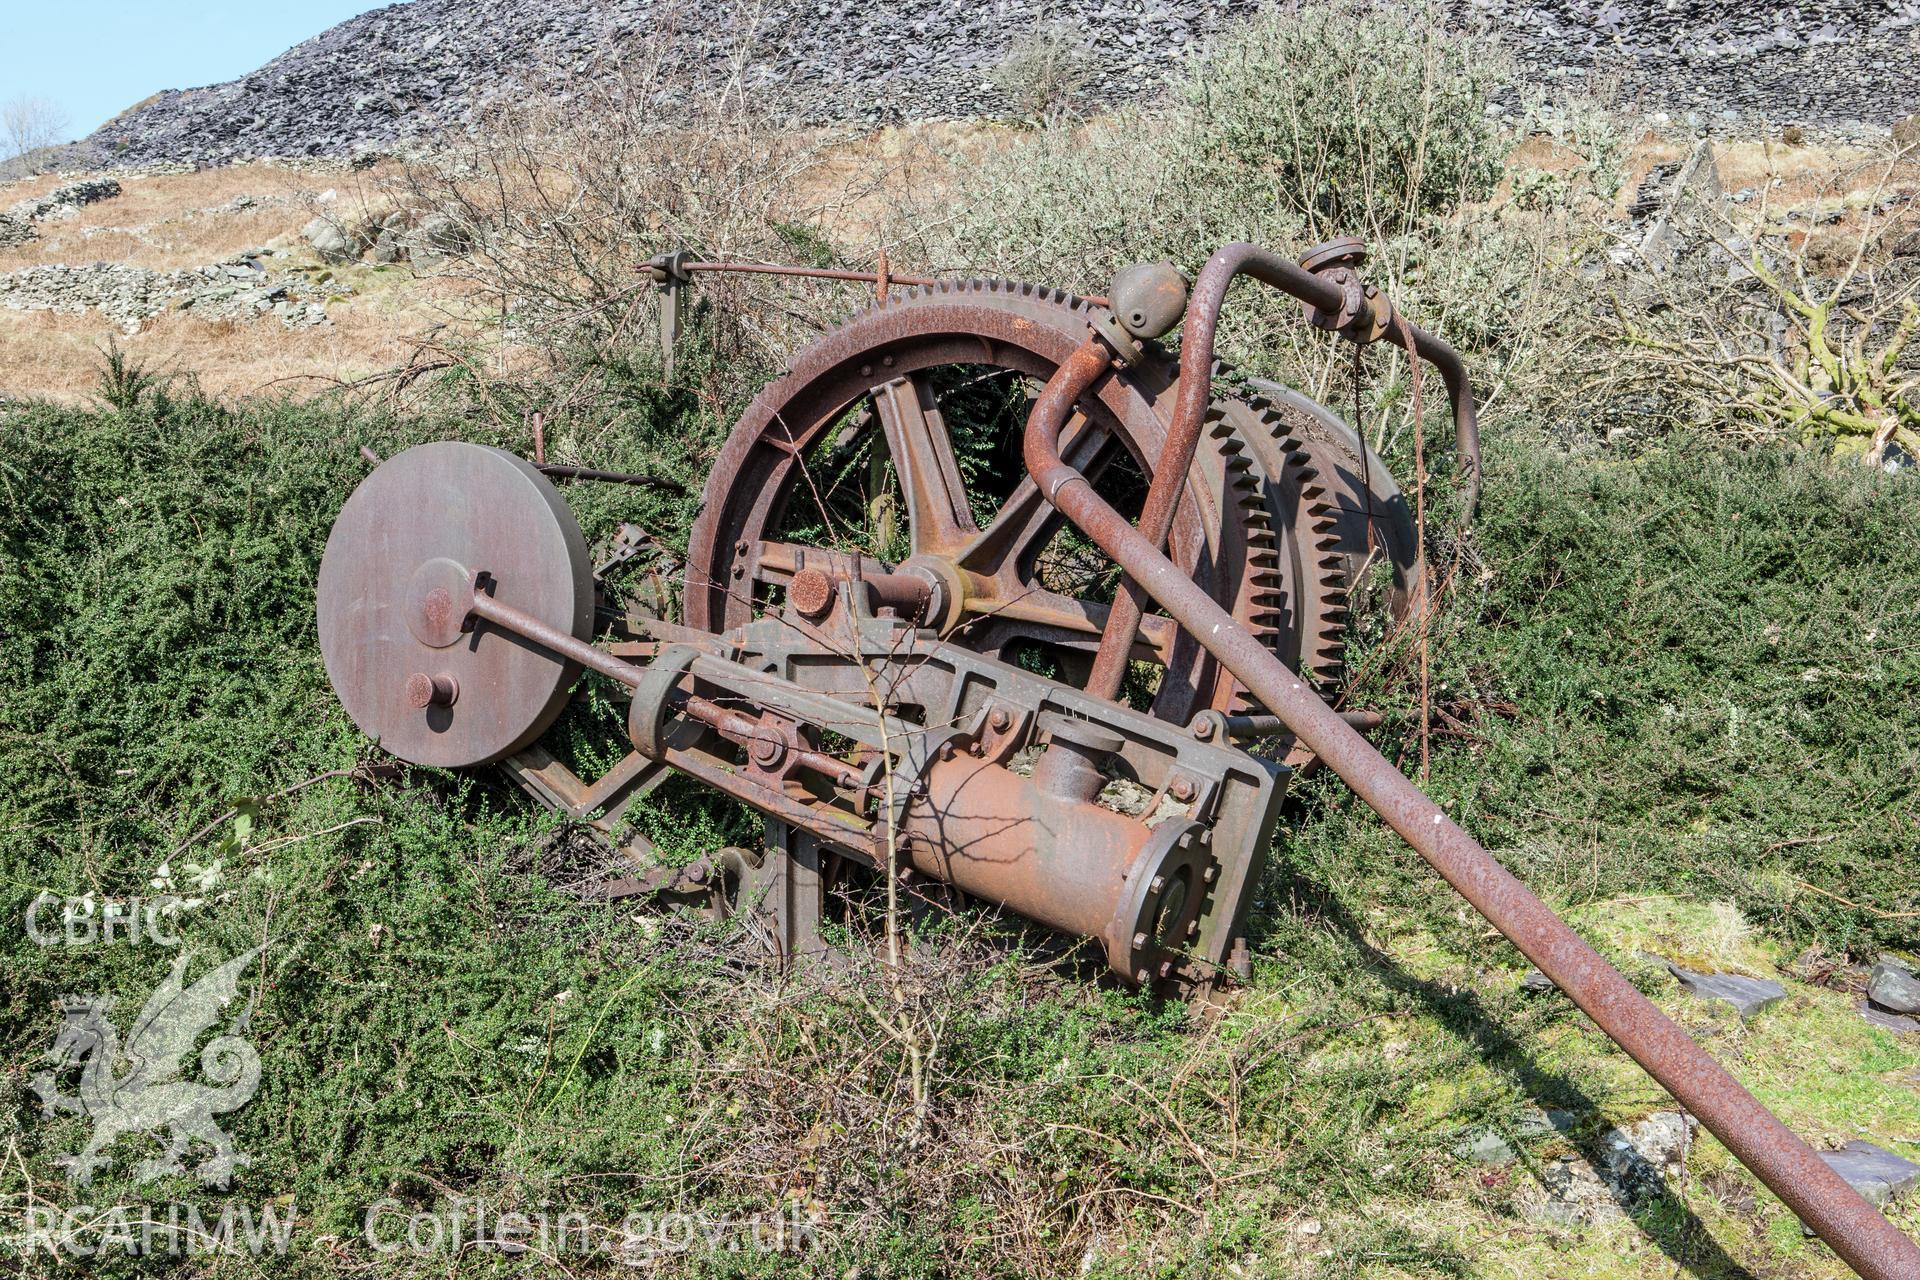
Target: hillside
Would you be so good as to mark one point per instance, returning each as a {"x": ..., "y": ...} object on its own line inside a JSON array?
[{"x": 410, "y": 69}]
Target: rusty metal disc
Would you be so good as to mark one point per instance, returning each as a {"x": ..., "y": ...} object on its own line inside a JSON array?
[{"x": 399, "y": 568}]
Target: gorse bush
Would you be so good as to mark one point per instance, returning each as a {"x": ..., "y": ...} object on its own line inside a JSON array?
[
  {"x": 1338, "y": 119},
  {"x": 1714, "y": 658},
  {"x": 1351, "y": 119}
]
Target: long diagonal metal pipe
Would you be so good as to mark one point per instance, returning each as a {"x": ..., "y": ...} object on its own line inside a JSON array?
[{"x": 1870, "y": 1244}]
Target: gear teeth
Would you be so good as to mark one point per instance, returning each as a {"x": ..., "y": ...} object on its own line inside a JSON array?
[
  {"x": 908, "y": 295},
  {"x": 1320, "y": 614}
]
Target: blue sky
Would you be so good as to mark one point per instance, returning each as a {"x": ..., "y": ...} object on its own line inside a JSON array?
[{"x": 96, "y": 58}]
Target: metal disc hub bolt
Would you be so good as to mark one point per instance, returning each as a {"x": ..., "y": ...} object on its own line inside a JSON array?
[{"x": 437, "y": 690}]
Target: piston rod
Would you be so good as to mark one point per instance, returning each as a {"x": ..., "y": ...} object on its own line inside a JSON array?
[{"x": 1870, "y": 1244}]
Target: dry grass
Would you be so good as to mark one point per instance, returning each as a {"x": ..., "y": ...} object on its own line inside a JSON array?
[
  {"x": 168, "y": 222},
  {"x": 174, "y": 221},
  {"x": 58, "y": 356}
]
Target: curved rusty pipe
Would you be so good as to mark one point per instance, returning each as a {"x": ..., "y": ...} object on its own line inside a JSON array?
[
  {"x": 1195, "y": 393},
  {"x": 1870, "y": 1244},
  {"x": 1203, "y": 314}
]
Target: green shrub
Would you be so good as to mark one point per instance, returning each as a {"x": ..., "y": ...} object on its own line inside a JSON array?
[
  {"x": 1713, "y": 660},
  {"x": 1351, "y": 118},
  {"x": 1306, "y": 123}
]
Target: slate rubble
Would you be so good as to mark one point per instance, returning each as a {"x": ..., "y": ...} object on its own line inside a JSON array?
[
  {"x": 405, "y": 70},
  {"x": 238, "y": 289},
  {"x": 16, "y": 224}
]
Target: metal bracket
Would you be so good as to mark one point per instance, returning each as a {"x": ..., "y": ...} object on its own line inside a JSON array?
[{"x": 669, "y": 272}]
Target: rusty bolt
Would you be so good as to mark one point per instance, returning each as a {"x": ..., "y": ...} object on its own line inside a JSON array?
[
  {"x": 1203, "y": 731},
  {"x": 1139, "y": 940},
  {"x": 811, "y": 592},
  {"x": 1156, "y": 884},
  {"x": 425, "y": 691},
  {"x": 1193, "y": 929},
  {"x": 1207, "y": 875},
  {"x": 1182, "y": 789},
  {"x": 1141, "y": 975},
  {"x": 1000, "y": 721}
]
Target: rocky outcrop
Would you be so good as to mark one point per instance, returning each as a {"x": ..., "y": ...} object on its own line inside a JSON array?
[
  {"x": 394, "y": 235},
  {"x": 1802, "y": 62},
  {"x": 406, "y": 70}
]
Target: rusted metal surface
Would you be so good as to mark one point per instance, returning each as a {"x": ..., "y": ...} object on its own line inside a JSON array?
[
  {"x": 1327, "y": 294},
  {"x": 862, "y": 693},
  {"x": 398, "y": 564},
  {"x": 992, "y": 596},
  {"x": 480, "y": 603},
  {"x": 1855, "y": 1230}
]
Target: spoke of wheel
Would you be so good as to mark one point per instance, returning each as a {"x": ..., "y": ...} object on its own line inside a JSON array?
[
  {"x": 938, "y": 519},
  {"x": 1025, "y": 520}
]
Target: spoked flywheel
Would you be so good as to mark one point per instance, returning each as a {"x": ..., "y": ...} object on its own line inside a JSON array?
[{"x": 897, "y": 438}]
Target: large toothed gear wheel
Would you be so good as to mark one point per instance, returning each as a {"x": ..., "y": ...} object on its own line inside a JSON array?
[
  {"x": 956, "y": 503},
  {"x": 1349, "y": 486}
]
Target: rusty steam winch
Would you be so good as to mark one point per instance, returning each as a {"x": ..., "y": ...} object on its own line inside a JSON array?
[{"x": 981, "y": 700}]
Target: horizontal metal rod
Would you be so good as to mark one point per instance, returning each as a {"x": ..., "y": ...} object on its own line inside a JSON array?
[
  {"x": 610, "y": 477},
  {"x": 577, "y": 473},
  {"x": 554, "y": 640},
  {"x": 1274, "y": 726},
  {"x": 811, "y": 273},
  {"x": 1870, "y": 1244}
]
